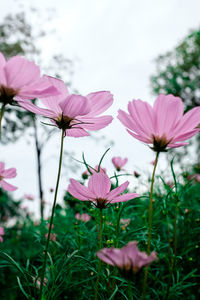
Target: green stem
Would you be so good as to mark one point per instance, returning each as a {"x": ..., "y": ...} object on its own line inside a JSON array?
[
  {"x": 100, "y": 246},
  {"x": 150, "y": 224},
  {"x": 175, "y": 236},
  {"x": 1, "y": 116},
  {"x": 130, "y": 292},
  {"x": 52, "y": 215},
  {"x": 170, "y": 259}
]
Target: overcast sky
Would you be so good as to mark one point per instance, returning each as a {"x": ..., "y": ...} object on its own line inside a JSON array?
[{"x": 114, "y": 44}]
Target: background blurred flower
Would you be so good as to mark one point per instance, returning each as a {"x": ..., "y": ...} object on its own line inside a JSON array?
[
  {"x": 9, "y": 173},
  {"x": 124, "y": 223},
  {"x": 84, "y": 217},
  {"x": 52, "y": 236},
  {"x": 163, "y": 125},
  {"x": 29, "y": 197},
  {"x": 2, "y": 232},
  {"x": 129, "y": 258},
  {"x": 119, "y": 162}
]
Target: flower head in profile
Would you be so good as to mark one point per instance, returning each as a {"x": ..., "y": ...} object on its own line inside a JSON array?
[
  {"x": 119, "y": 162},
  {"x": 75, "y": 114},
  {"x": 4, "y": 174},
  {"x": 84, "y": 217},
  {"x": 98, "y": 191},
  {"x": 2, "y": 232},
  {"x": 129, "y": 259},
  {"x": 162, "y": 126},
  {"x": 21, "y": 78}
]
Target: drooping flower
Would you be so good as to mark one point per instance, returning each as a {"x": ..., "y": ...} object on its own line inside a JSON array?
[
  {"x": 74, "y": 113},
  {"x": 98, "y": 191},
  {"x": 84, "y": 217},
  {"x": 119, "y": 162},
  {"x": 164, "y": 125},
  {"x": 2, "y": 232},
  {"x": 128, "y": 259},
  {"x": 136, "y": 174},
  {"x": 20, "y": 77},
  {"x": 4, "y": 174}
]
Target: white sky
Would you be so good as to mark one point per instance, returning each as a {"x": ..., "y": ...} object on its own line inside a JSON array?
[{"x": 114, "y": 44}]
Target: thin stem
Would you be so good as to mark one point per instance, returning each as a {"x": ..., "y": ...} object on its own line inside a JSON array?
[
  {"x": 100, "y": 246},
  {"x": 175, "y": 235},
  {"x": 170, "y": 259},
  {"x": 1, "y": 116},
  {"x": 130, "y": 292},
  {"x": 150, "y": 224},
  {"x": 52, "y": 215},
  {"x": 173, "y": 261}
]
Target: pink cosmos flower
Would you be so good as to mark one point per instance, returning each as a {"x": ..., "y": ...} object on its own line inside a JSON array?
[
  {"x": 119, "y": 162},
  {"x": 2, "y": 232},
  {"x": 128, "y": 259},
  {"x": 194, "y": 176},
  {"x": 163, "y": 125},
  {"x": 98, "y": 191},
  {"x": 29, "y": 197},
  {"x": 84, "y": 217},
  {"x": 74, "y": 113},
  {"x": 52, "y": 226},
  {"x": 37, "y": 281},
  {"x": 52, "y": 236},
  {"x": 9, "y": 173},
  {"x": 20, "y": 77},
  {"x": 124, "y": 223}
]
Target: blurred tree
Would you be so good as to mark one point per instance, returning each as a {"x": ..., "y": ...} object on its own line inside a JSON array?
[{"x": 178, "y": 73}]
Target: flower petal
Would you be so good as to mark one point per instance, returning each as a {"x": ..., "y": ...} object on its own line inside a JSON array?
[
  {"x": 125, "y": 197},
  {"x": 95, "y": 123},
  {"x": 189, "y": 121},
  {"x": 52, "y": 102},
  {"x": 79, "y": 191},
  {"x": 39, "y": 89},
  {"x": 76, "y": 132},
  {"x": 168, "y": 110},
  {"x": 75, "y": 105},
  {"x": 115, "y": 192},
  {"x": 143, "y": 115},
  {"x": 2, "y": 166},
  {"x": 35, "y": 109},
  {"x": 19, "y": 72},
  {"x": 9, "y": 173},
  {"x": 100, "y": 102},
  {"x": 7, "y": 186},
  {"x": 2, "y": 72},
  {"x": 99, "y": 184},
  {"x": 111, "y": 256}
]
